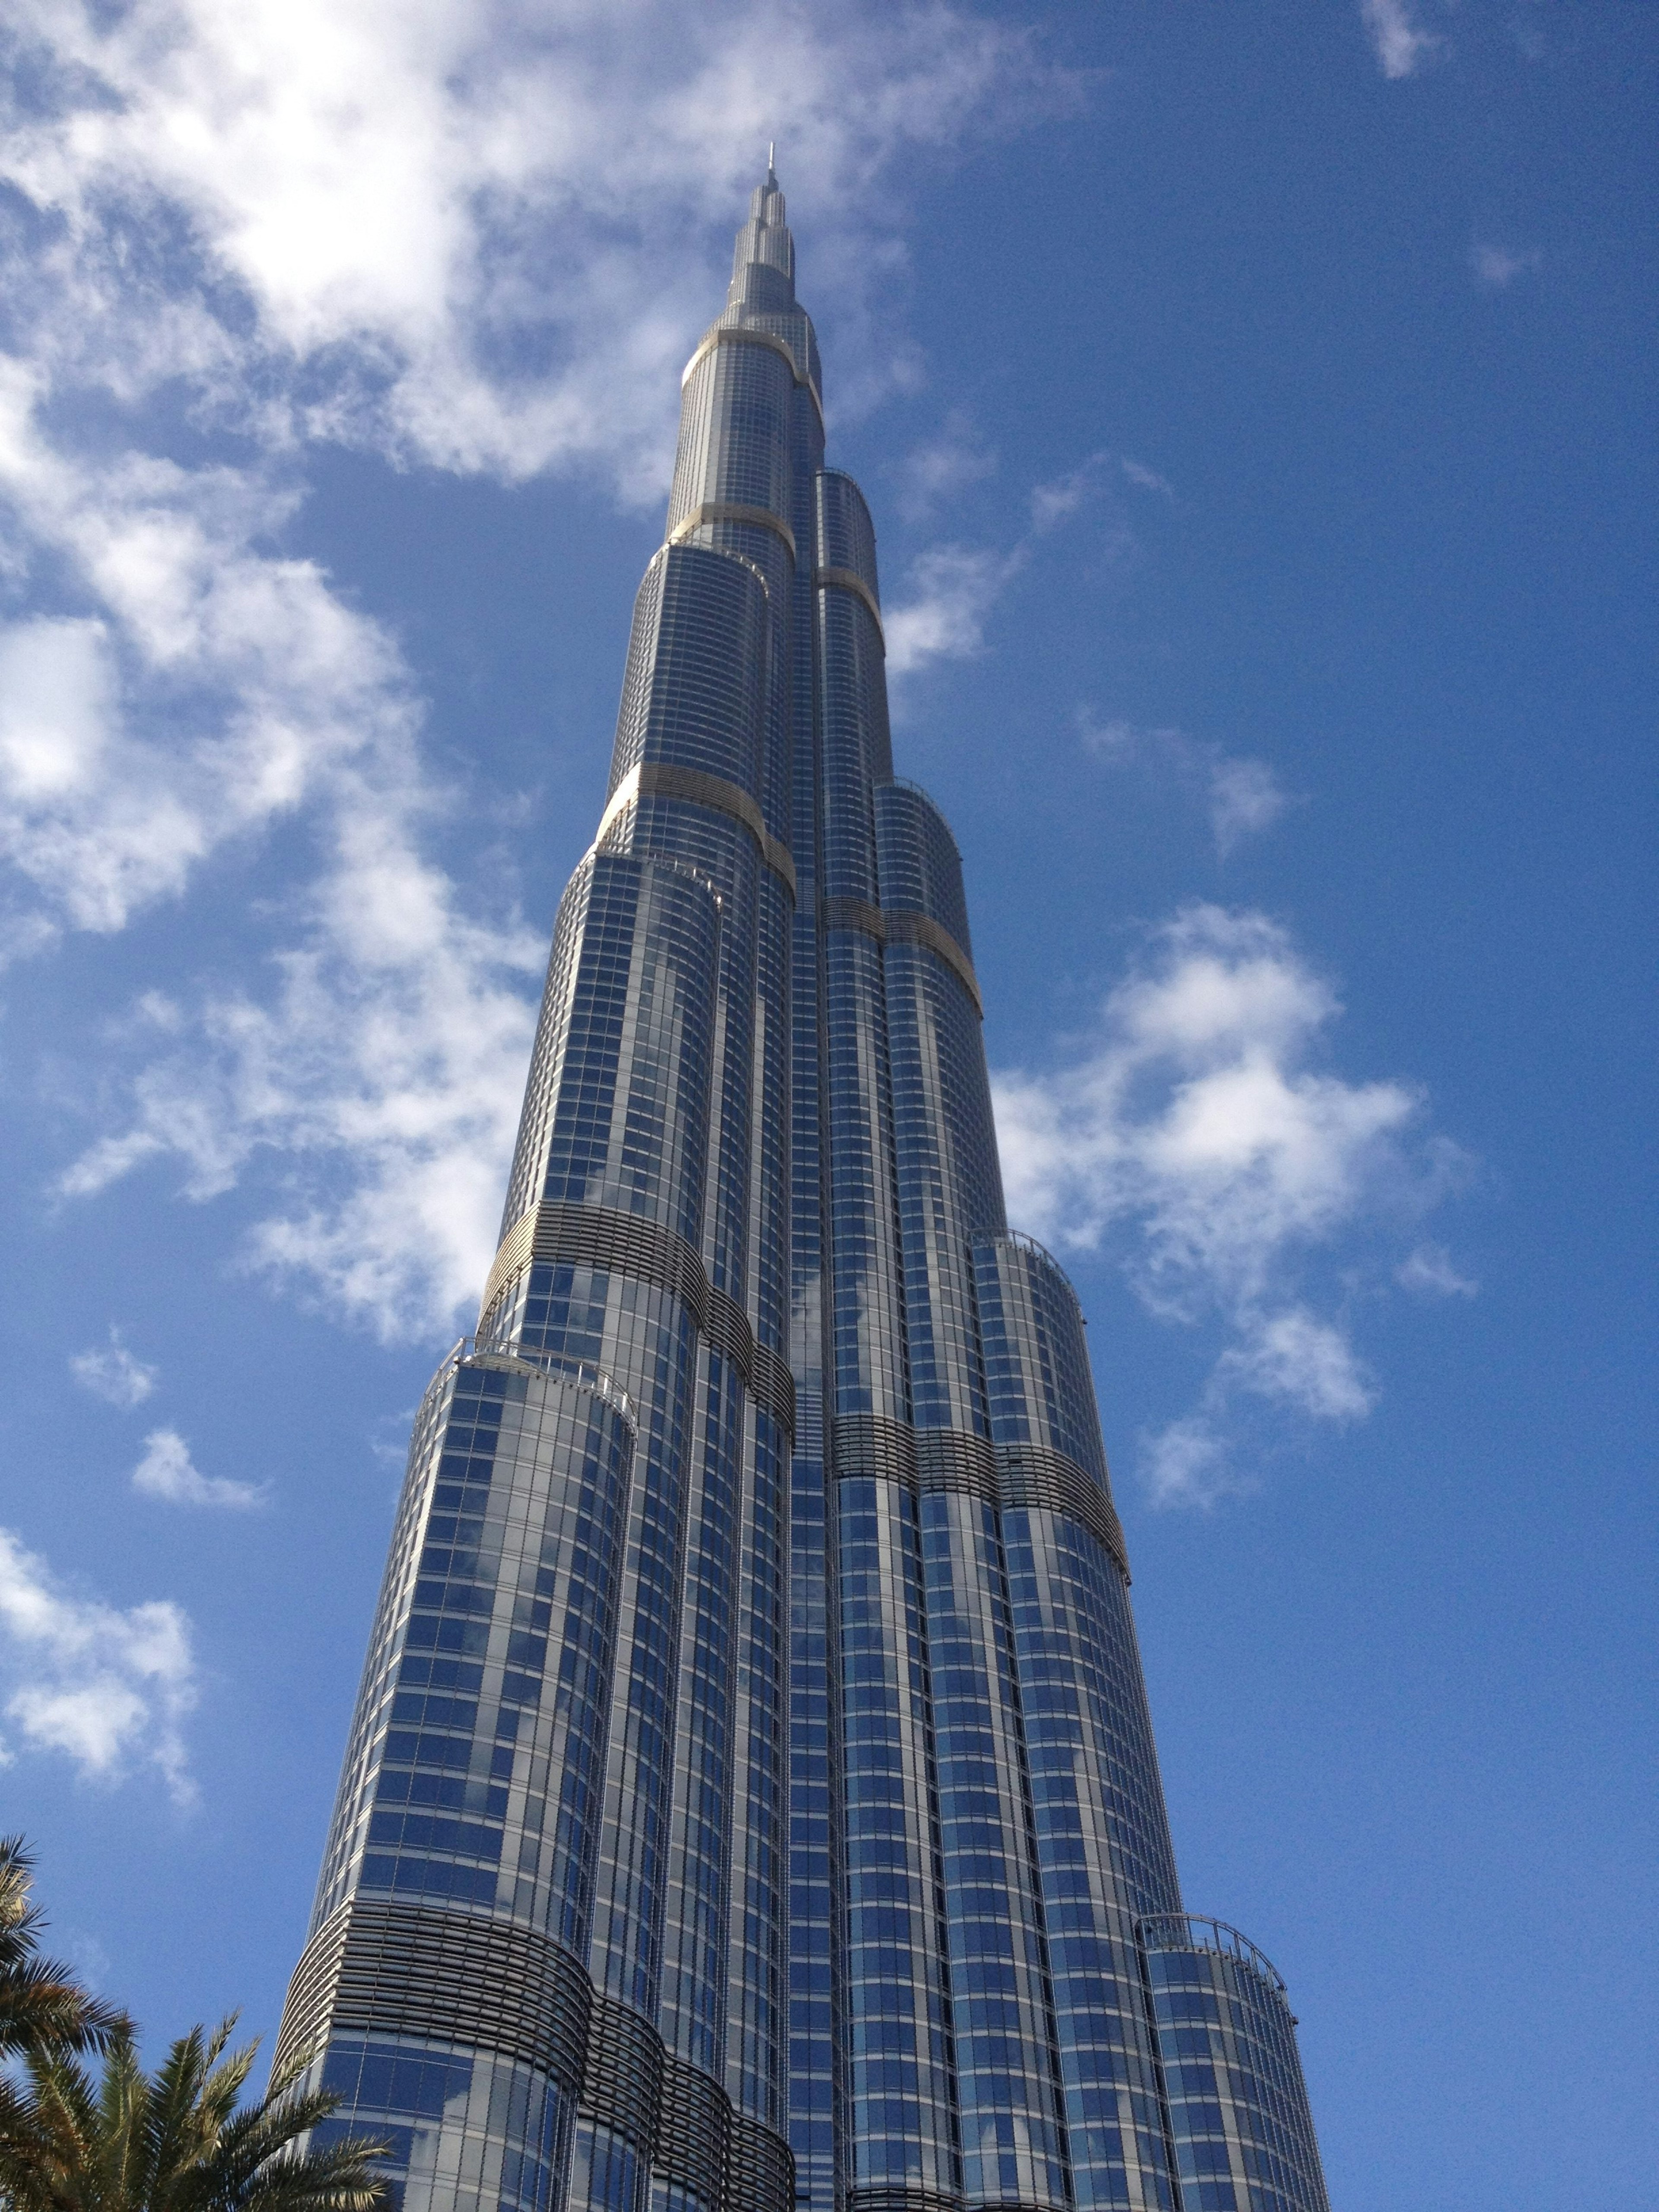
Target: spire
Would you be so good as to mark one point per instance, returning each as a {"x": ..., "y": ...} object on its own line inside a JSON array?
[{"x": 765, "y": 251}]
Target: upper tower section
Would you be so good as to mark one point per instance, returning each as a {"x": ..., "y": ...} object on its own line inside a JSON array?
[
  {"x": 761, "y": 294},
  {"x": 763, "y": 261}
]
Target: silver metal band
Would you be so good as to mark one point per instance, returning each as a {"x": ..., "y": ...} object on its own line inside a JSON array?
[
  {"x": 665, "y": 780},
  {"x": 601, "y": 1236},
  {"x": 720, "y": 510},
  {"x": 736, "y": 334},
  {"x": 905, "y": 929},
  {"x": 848, "y": 579}
]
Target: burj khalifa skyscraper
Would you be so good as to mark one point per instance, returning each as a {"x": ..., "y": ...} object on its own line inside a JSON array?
[{"x": 751, "y": 1799}]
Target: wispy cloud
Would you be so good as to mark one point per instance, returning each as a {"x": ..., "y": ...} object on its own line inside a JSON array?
[
  {"x": 1399, "y": 40},
  {"x": 219, "y": 690},
  {"x": 1148, "y": 479},
  {"x": 108, "y": 1688},
  {"x": 1291, "y": 1358},
  {"x": 1429, "y": 1271},
  {"x": 1245, "y": 798},
  {"x": 951, "y": 589},
  {"x": 1193, "y": 1133},
  {"x": 383, "y": 1071},
  {"x": 1088, "y": 484},
  {"x": 1053, "y": 502},
  {"x": 1496, "y": 267},
  {"x": 215, "y": 691},
  {"x": 1242, "y": 795},
  {"x": 166, "y": 1471},
  {"x": 937, "y": 470},
  {"x": 113, "y": 1374}
]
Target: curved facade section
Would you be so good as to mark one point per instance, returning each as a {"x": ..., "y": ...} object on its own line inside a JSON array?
[
  {"x": 629, "y": 1121},
  {"x": 694, "y": 693},
  {"x": 920, "y": 866},
  {"x": 1041, "y": 1389},
  {"x": 903, "y": 2144},
  {"x": 738, "y": 402},
  {"x": 846, "y": 536},
  {"x": 468, "y": 1823},
  {"x": 1007, "y": 2076},
  {"x": 1243, "y": 2136},
  {"x": 950, "y": 1184}
]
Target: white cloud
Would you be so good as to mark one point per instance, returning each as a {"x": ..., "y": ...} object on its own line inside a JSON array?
[
  {"x": 937, "y": 470},
  {"x": 110, "y": 1689},
  {"x": 168, "y": 1471},
  {"x": 954, "y": 588},
  {"x": 55, "y": 707},
  {"x": 1242, "y": 795},
  {"x": 480, "y": 233},
  {"x": 1305, "y": 1362},
  {"x": 1289, "y": 1358},
  {"x": 1189, "y": 1463},
  {"x": 383, "y": 1060},
  {"x": 216, "y": 689},
  {"x": 1148, "y": 479},
  {"x": 383, "y": 1071},
  {"x": 1496, "y": 267},
  {"x": 1245, "y": 798},
  {"x": 1053, "y": 502},
  {"x": 114, "y": 1374},
  {"x": 1400, "y": 44},
  {"x": 1192, "y": 1132},
  {"x": 1429, "y": 1271}
]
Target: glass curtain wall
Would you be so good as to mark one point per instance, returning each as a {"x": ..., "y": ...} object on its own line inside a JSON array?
[{"x": 751, "y": 1799}]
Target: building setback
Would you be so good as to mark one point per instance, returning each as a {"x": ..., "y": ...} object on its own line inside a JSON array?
[{"x": 751, "y": 1797}]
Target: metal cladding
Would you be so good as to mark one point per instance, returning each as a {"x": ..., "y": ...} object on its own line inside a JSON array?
[{"x": 751, "y": 1799}]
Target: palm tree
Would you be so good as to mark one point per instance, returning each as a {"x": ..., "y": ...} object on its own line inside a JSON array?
[
  {"x": 175, "y": 2141},
  {"x": 42, "y": 2006},
  {"x": 43, "y": 2010}
]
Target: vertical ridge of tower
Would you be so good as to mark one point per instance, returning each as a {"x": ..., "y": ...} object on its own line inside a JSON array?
[{"x": 751, "y": 1801}]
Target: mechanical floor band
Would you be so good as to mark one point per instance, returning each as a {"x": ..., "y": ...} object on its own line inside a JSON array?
[
  {"x": 905, "y": 929},
  {"x": 901, "y": 2200},
  {"x": 627, "y": 1244},
  {"x": 665, "y": 780},
  {"x": 721, "y": 510},
  {"x": 1007, "y": 1476},
  {"x": 622, "y": 2085},
  {"x": 849, "y": 579},
  {"x": 418, "y": 1971},
  {"x": 457, "y": 1977},
  {"x": 677, "y": 2116},
  {"x": 760, "y": 2173},
  {"x": 738, "y": 334}
]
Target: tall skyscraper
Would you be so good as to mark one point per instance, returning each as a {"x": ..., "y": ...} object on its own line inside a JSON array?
[{"x": 752, "y": 1795}]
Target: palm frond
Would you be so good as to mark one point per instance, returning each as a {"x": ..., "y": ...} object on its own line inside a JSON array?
[
  {"x": 41, "y": 2003},
  {"x": 340, "y": 2178}
]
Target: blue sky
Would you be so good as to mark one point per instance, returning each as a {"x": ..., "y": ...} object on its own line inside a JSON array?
[{"x": 1256, "y": 406}]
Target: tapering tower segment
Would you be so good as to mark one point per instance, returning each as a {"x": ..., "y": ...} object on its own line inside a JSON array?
[{"x": 751, "y": 1799}]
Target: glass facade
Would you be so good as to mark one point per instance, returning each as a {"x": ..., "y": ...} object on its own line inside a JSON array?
[{"x": 751, "y": 1799}]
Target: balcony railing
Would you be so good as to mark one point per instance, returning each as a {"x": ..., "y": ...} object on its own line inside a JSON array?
[
  {"x": 1189, "y": 1931},
  {"x": 582, "y": 1372}
]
